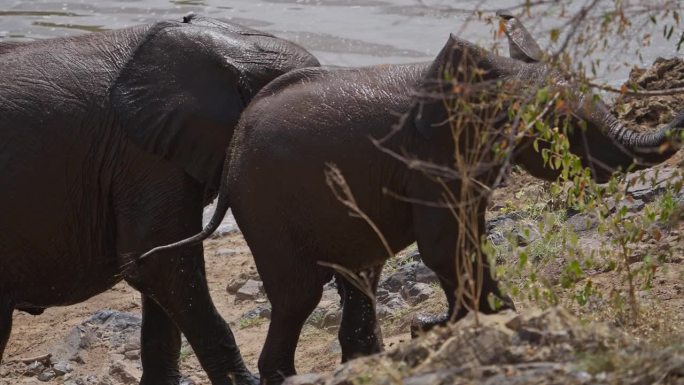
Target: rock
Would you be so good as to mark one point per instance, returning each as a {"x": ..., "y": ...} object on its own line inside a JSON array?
[
  {"x": 647, "y": 184},
  {"x": 261, "y": 311},
  {"x": 416, "y": 293},
  {"x": 251, "y": 290},
  {"x": 47, "y": 375},
  {"x": 332, "y": 318},
  {"x": 425, "y": 275},
  {"x": 305, "y": 379},
  {"x": 398, "y": 279},
  {"x": 79, "y": 338},
  {"x": 582, "y": 222},
  {"x": 382, "y": 311},
  {"x": 62, "y": 368},
  {"x": 132, "y": 355},
  {"x": 114, "y": 327},
  {"x": 120, "y": 373},
  {"x": 393, "y": 301},
  {"x": 396, "y": 303},
  {"x": 502, "y": 228},
  {"x": 630, "y": 204},
  {"x": 234, "y": 284},
  {"x": 34, "y": 369}
]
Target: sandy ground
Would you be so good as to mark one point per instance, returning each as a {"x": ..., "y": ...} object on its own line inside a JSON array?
[{"x": 226, "y": 258}]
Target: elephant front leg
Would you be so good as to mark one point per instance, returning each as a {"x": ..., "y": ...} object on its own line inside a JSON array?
[
  {"x": 6, "y": 310},
  {"x": 161, "y": 345},
  {"x": 453, "y": 252},
  {"x": 359, "y": 333}
]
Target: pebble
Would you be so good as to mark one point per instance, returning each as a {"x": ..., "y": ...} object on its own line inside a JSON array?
[{"x": 251, "y": 290}]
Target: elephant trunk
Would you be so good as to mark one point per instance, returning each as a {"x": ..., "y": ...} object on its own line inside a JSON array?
[
  {"x": 650, "y": 147},
  {"x": 647, "y": 148},
  {"x": 222, "y": 206}
]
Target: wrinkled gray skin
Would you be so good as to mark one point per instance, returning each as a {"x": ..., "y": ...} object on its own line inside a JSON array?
[
  {"x": 291, "y": 220},
  {"x": 110, "y": 144}
]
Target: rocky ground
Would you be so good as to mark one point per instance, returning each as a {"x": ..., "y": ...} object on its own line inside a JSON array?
[{"x": 567, "y": 275}]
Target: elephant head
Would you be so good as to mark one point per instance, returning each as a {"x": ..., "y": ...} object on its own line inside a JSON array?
[
  {"x": 602, "y": 142},
  {"x": 182, "y": 91}
]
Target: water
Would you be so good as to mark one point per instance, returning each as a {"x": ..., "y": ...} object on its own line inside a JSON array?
[{"x": 338, "y": 32}]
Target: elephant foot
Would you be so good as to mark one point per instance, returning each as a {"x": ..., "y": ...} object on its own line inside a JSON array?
[
  {"x": 171, "y": 378},
  {"x": 422, "y": 323},
  {"x": 244, "y": 378}
]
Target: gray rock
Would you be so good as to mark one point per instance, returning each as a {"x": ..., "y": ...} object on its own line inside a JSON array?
[
  {"x": 332, "y": 318},
  {"x": 62, "y": 367},
  {"x": 382, "y": 311},
  {"x": 114, "y": 327},
  {"x": 251, "y": 290},
  {"x": 234, "y": 284},
  {"x": 402, "y": 276},
  {"x": 392, "y": 301},
  {"x": 645, "y": 185},
  {"x": 582, "y": 222},
  {"x": 80, "y": 338},
  {"x": 502, "y": 228},
  {"x": 34, "y": 369},
  {"x": 416, "y": 293},
  {"x": 261, "y": 311},
  {"x": 47, "y": 375},
  {"x": 133, "y": 343},
  {"x": 132, "y": 355},
  {"x": 425, "y": 275}
]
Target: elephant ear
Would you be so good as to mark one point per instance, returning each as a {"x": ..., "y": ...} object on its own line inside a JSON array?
[
  {"x": 459, "y": 61},
  {"x": 521, "y": 44},
  {"x": 179, "y": 97}
]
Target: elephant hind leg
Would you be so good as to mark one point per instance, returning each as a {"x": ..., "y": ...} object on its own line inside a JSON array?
[
  {"x": 359, "y": 333},
  {"x": 6, "y": 310},
  {"x": 293, "y": 297}
]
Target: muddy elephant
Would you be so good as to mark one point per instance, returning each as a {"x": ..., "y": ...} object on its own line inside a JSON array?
[
  {"x": 112, "y": 143},
  {"x": 390, "y": 132}
]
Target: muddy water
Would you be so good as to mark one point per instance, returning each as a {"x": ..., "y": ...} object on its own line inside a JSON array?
[{"x": 338, "y": 32}]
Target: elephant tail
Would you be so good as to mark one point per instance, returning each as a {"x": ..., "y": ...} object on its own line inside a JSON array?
[{"x": 222, "y": 206}]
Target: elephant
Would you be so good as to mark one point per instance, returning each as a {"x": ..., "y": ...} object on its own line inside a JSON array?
[
  {"x": 389, "y": 133},
  {"x": 112, "y": 143}
]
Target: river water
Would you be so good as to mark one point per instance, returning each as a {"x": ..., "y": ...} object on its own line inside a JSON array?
[{"x": 338, "y": 32}]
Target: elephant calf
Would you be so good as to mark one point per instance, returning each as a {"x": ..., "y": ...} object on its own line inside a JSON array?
[
  {"x": 308, "y": 119},
  {"x": 111, "y": 143}
]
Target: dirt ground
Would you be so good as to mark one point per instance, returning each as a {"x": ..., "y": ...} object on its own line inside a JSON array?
[{"x": 226, "y": 258}]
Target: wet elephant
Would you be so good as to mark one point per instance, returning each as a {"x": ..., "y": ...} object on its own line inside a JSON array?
[
  {"x": 394, "y": 133},
  {"x": 112, "y": 143}
]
